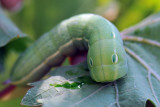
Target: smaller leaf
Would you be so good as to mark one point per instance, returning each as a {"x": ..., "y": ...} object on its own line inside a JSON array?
[{"x": 8, "y": 30}]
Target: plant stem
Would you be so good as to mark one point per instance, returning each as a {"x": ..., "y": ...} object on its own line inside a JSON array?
[
  {"x": 140, "y": 39},
  {"x": 141, "y": 25}
]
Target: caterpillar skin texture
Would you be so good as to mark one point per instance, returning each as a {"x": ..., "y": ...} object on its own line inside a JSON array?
[{"x": 106, "y": 56}]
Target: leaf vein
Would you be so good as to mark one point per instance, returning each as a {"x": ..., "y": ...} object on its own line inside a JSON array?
[
  {"x": 117, "y": 95},
  {"x": 93, "y": 93},
  {"x": 150, "y": 83}
]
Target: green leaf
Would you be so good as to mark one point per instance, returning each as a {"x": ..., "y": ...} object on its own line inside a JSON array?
[
  {"x": 43, "y": 91},
  {"x": 95, "y": 94},
  {"x": 149, "y": 61},
  {"x": 139, "y": 88},
  {"x": 8, "y": 30}
]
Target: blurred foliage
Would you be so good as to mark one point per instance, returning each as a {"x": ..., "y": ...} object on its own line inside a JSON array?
[
  {"x": 1, "y": 60},
  {"x": 133, "y": 11},
  {"x": 39, "y": 16},
  {"x": 16, "y": 102}
]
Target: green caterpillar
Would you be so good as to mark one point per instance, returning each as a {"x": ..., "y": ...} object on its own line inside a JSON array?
[{"x": 106, "y": 56}]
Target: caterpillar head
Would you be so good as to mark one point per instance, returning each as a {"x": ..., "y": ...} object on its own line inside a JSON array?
[{"x": 107, "y": 60}]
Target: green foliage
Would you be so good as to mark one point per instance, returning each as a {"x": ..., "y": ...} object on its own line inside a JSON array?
[
  {"x": 9, "y": 35},
  {"x": 1, "y": 61},
  {"x": 12, "y": 103},
  {"x": 12, "y": 41},
  {"x": 39, "y": 16},
  {"x": 133, "y": 11}
]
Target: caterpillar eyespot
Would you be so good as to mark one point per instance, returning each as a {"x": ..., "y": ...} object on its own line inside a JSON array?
[
  {"x": 51, "y": 49},
  {"x": 113, "y": 35},
  {"x": 91, "y": 62},
  {"x": 114, "y": 58}
]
